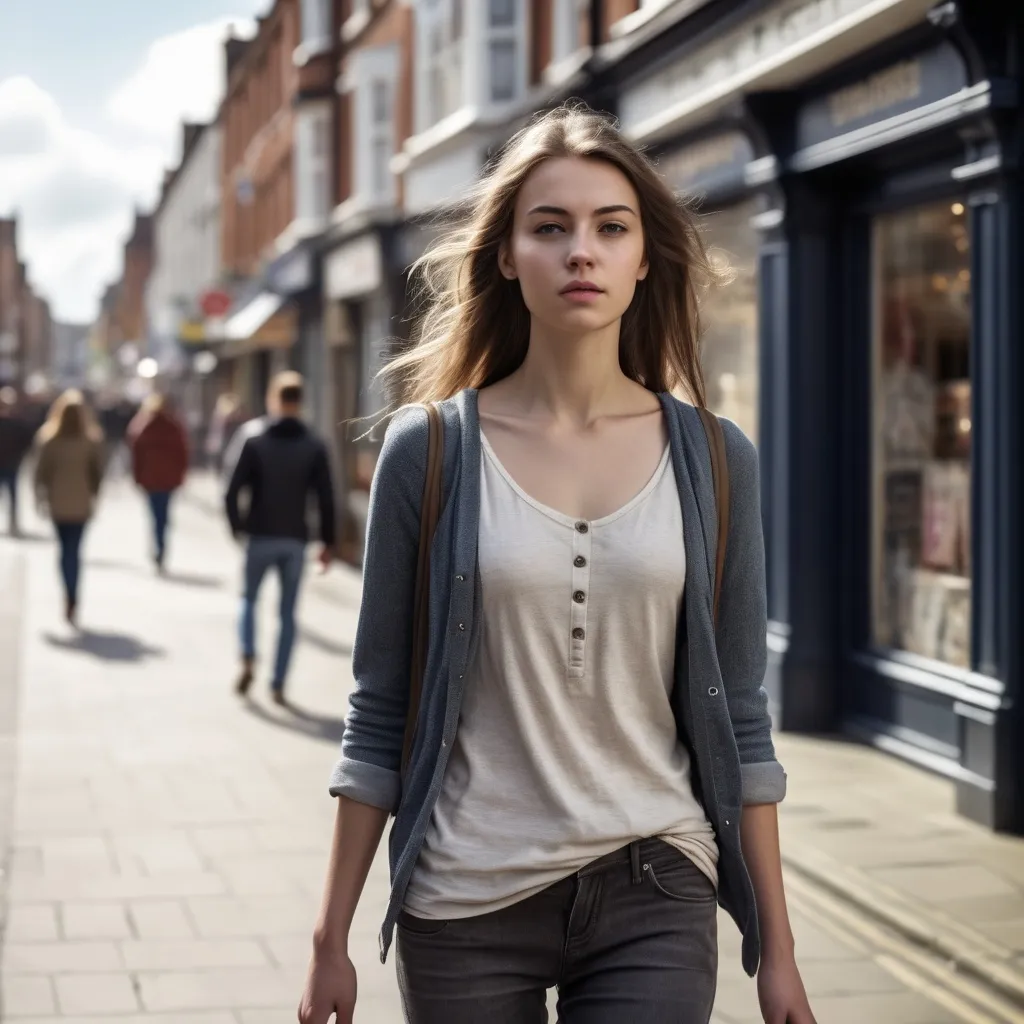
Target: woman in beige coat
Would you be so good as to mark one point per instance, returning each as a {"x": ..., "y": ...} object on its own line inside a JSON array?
[{"x": 67, "y": 479}]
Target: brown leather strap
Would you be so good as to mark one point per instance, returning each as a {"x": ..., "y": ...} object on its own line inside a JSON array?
[
  {"x": 430, "y": 510},
  {"x": 720, "y": 475}
]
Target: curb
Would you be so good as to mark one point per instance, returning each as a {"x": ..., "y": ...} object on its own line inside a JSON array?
[{"x": 966, "y": 950}]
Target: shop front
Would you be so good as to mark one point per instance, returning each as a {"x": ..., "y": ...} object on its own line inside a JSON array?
[
  {"x": 362, "y": 296},
  {"x": 711, "y": 171},
  {"x": 893, "y": 483},
  {"x": 879, "y": 216}
]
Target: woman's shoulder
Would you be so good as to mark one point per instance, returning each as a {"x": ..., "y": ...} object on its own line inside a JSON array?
[{"x": 739, "y": 449}]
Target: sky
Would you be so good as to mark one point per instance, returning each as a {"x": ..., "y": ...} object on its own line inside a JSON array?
[{"x": 92, "y": 95}]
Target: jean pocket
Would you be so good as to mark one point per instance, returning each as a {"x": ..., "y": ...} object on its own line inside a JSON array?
[
  {"x": 420, "y": 925},
  {"x": 684, "y": 882}
]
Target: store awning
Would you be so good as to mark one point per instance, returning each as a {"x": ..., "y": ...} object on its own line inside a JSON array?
[{"x": 252, "y": 316}]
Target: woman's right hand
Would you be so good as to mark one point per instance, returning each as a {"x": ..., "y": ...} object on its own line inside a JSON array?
[{"x": 330, "y": 988}]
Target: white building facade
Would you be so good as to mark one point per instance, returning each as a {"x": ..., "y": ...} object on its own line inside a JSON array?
[{"x": 187, "y": 248}]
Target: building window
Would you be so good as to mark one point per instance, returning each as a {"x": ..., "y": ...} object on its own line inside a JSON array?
[
  {"x": 921, "y": 558},
  {"x": 313, "y": 162},
  {"x": 375, "y": 75},
  {"x": 505, "y": 50},
  {"x": 316, "y": 24},
  {"x": 730, "y": 351},
  {"x": 566, "y": 34},
  {"x": 441, "y": 44}
]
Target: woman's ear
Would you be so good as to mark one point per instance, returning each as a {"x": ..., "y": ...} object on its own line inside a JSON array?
[
  {"x": 505, "y": 262},
  {"x": 644, "y": 268}
]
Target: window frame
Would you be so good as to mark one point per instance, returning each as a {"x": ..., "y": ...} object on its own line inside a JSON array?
[
  {"x": 371, "y": 68},
  {"x": 315, "y": 26},
  {"x": 314, "y": 162}
]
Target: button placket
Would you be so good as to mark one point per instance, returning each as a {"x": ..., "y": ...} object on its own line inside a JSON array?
[{"x": 581, "y": 567}]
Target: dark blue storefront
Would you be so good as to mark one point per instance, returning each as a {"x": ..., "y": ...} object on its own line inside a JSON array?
[{"x": 881, "y": 194}]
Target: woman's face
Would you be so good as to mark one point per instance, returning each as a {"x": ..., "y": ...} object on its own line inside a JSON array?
[{"x": 577, "y": 245}]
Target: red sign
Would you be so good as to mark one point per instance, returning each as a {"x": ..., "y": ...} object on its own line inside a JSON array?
[{"x": 215, "y": 303}]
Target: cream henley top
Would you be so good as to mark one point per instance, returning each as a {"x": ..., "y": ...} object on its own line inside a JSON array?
[{"x": 566, "y": 748}]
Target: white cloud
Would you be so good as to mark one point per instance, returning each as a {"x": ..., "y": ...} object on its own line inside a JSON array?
[
  {"x": 180, "y": 79},
  {"x": 73, "y": 190}
]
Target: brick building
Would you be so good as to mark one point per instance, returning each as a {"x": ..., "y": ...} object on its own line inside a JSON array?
[
  {"x": 25, "y": 326},
  {"x": 427, "y": 92},
  {"x": 277, "y": 187}
]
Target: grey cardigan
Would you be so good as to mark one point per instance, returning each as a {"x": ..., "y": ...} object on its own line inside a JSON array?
[{"x": 719, "y": 703}]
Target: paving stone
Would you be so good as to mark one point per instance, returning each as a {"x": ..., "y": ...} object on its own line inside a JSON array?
[
  {"x": 26, "y": 996},
  {"x": 56, "y": 957},
  {"x": 160, "y": 919},
  {"x": 94, "y": 921},
  {"x": 32, "y": 922},
  {"x": 187, "y": 954},
  {"x": 219, "y": 988},
  {"x": 95, "y": 993}
]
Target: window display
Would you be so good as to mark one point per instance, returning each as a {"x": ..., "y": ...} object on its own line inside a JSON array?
[
  {"x": 730, "y": 356},
  {"x": 922, "y": 433}
]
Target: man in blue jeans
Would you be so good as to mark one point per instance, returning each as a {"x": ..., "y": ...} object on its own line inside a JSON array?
[{"x": 279, "y": 462}]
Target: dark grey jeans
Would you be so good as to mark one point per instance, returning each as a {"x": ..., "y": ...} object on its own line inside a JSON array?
[{"x": 632, "y": 937}]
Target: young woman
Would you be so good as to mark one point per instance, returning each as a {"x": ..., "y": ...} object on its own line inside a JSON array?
[
  {"x": 593, "y": 769},
  {"x": 68, "y": 471},
  {"x": 159, "y": 447}
]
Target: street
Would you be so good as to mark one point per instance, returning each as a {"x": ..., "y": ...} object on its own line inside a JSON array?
[{"x": 168, "y": 840}]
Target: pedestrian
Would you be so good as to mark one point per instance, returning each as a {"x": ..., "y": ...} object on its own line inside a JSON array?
[
  {"x": 589, "y": 765},
  {"x": 15, "y": 441},
  {"x": 69, "y": 467},
  {"x": 280, "y": 464},
  {"x": 159, "y": 449},
  {"x": 227, "y": 417}
]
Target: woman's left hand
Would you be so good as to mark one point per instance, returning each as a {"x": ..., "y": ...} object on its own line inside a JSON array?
[{"x": 780, "y": 990}]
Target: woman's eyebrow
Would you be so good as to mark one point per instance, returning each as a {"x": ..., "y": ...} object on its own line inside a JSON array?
[{"x": 600, "y": 211}]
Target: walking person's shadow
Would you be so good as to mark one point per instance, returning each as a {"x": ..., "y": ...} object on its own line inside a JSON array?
[
  {"x": 321, "y": 727},
  {"x": 105, "y": 646}
]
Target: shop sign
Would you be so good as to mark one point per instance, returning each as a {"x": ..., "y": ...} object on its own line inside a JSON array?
[
  {"x": 711, "y": 165},
  {"x": 897, "y": 89},
  {"x": 292, "y": 272},
  {"x": 757, "y": 45},
  {"x": 192, "y": 332},
  {"x": 354, "y": 268}
]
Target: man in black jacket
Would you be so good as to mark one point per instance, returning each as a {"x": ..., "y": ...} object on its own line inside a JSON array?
[{"x": 280, "y": 461}]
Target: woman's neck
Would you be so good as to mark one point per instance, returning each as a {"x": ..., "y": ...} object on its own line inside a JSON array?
[{"x": 572, "y": 380}]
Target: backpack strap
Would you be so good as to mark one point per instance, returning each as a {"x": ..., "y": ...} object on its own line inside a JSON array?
[
  {"x": 430, "y": 511},
  {"x": 720, "y": 475}
]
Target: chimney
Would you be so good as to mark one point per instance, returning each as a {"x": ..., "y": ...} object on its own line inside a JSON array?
[
  {"x": 234, "y": 50},
  {"x": 190, "y": 132},
  {"x": 9, "y": 232}
]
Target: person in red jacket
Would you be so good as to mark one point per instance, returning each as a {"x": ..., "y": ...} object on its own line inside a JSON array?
[{"x": 159, "y": 446}]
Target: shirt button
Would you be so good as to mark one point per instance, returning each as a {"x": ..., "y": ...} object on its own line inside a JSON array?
[
  {"x": 579, "y": 597},
  {"x": 578, "y": 633},
  {"x": 582, "y": 527},
  {"x": 579, "y": 561}
]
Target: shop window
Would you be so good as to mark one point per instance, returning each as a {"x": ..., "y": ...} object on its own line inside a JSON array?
[
  {"x": 730, "y": 350},
  {"x": 922, "y": 433}
]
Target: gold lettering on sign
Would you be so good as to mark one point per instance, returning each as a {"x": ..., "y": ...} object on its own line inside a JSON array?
[
  {"x": 682, "y": 167},
  {"x": 895, "y": 85}
]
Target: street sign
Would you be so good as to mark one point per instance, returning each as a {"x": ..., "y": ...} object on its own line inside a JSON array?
[{"x": 215, "y": 302}]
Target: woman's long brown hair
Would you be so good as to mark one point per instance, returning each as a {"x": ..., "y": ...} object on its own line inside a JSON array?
[{"x": 475, "y": 327}]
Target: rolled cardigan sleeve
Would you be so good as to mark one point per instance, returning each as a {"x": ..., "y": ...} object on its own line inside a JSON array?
[
  {"x": 743, "y": 626},
  {"x": 371, "y": 746}
]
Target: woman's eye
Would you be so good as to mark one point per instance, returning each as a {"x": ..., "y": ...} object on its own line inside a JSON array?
[
  {"x": 613, "y": 229},
  {"x": 548, "y": 229}
]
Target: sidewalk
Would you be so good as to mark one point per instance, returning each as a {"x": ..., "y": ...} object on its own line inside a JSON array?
[{"x": 169, "y": 841}]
